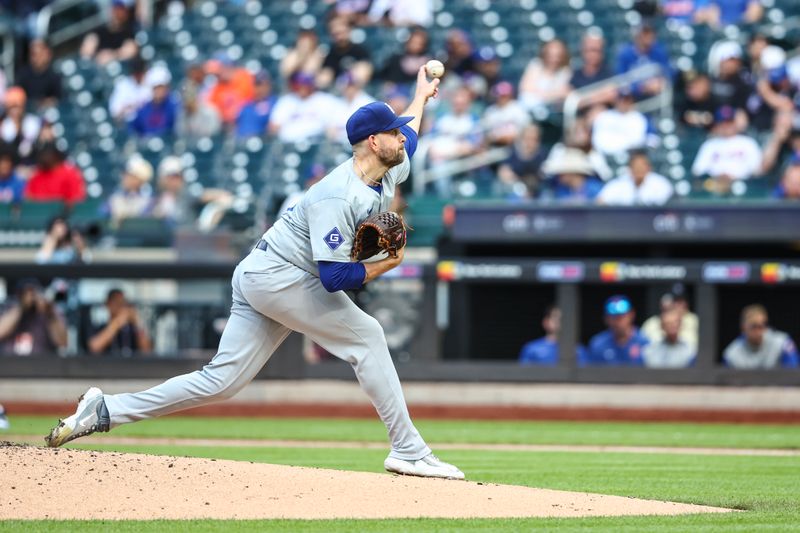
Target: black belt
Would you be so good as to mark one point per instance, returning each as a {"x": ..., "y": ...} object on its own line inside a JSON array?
[{"x": 261, "y": 245}]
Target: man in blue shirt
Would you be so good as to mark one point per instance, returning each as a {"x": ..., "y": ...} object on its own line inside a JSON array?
[
  {"x": 621, "y": 343},
  {"x": 157, "y": 117},
  {"x": 254, "y": 116},
  {"x": 544, "y": 351},
  {"x": 642, "y": 51}
]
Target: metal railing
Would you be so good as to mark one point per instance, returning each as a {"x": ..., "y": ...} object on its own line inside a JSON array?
[
  {"x": 423, "y": 176},
  {"x": 61, "y": 36},
  {"x": 660, "y": 102},
  {"x": 85, "y": 25}
]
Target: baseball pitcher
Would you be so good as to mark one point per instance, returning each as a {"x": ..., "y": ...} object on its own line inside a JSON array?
[{"x": 293, "y": 280}]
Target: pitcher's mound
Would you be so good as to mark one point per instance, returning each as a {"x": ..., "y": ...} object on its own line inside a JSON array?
[{"x": 73, "y": 484}]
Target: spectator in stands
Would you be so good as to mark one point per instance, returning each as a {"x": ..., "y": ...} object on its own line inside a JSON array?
[
  {"x": 133, "y": 198},
  {"x": 621, "y": 343},
  {"x": 671, "y": 350},
  {"x": 696, "y": 108},
  {"x": 54, "y": 179},
  {"x": 198, "y": 80},
  {"x": 621, "y": 128},
  {"x": 344, "y": 56},
  {"x": 401, "y": 12},
  {"x": 717, "y": 13},
  {"x": 158, "y": 116},
  {"x": 545, "y": 81},
  {"x": 760, "y": 346},
  {"x": 593, "y": 62},
  {"x": 124, "y": 334},
  {"x": 521, "y": 173},
  {"x": 455, "y": 133},
  {"x": 727, "y": 155},
  {"x": 30, "y": 324},
  {"x": 303, "y": 113},
  {"x": 352, "y": 97},
  {"x": 690, "y": 325},
  {"x": 306, "y": 56},
  {"x": 574, "y": 181},
  {"x": 787, "y": 189},
  {"x": 581, "y": 138},
  {"x": 62, "y": 245},
  {"x": 488, "y": 69},
  {"x": 645, "y": 50},
  {"x": 174, "y": 203},
  {"x": 458, "y": 52},
  {"x": 233, "y": 89},
  {"x": 638, "y": 186},
  {"x": 130, "y": 92},
  {"x": 505, "y": 119},
  {"x": 544, "y": 351},
  {"x": 19, "y": 128},
  {"x": 114, "y": 41},
  {"x": 401, "y": 68},
  {"x": 253, "y": 119},
  {"x": 38, "y": 79},
  {"x": 198, "y": 118},
  {"x": 177, "y": 206},
  {"x": 11, "y": 186},
  {"x": 730, "y": 85},
  {"x": 775, "y": 93}
]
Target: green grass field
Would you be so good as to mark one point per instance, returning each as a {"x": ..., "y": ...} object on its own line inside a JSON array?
[{"x": 766, "y": 487}]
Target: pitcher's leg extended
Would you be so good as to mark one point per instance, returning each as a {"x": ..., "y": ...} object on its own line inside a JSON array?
[{"x": 247, "y": 343}]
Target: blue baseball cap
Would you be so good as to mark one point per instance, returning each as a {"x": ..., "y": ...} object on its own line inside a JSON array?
[
  {"x": 618, "y": 305},
  {"x": 373, "y": 118},
  {"x": 725, "y": 113}
]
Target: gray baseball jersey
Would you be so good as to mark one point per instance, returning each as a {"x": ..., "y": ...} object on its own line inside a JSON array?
[
  {"x": 739, "y": 354},
  {"x": 328, "y": 214},
  {"x": 278, "y": 290}
]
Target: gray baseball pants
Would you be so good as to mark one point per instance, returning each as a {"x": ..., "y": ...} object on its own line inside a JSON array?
[{"x": 272, "y": 297}]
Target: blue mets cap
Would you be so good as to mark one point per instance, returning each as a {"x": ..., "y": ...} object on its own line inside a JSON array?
[
  {"x": 725, "y": 113},
  {"x": 618, "y": 305},
  {"x": 371, "y": 119}
]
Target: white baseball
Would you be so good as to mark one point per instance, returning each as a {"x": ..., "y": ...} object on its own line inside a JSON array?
[{"x": 434, "y": 68}]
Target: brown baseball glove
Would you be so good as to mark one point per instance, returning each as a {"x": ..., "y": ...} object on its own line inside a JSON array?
[{"x": 382, "y": 232}]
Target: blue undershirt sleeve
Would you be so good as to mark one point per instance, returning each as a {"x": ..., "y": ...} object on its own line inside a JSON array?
[
  {"x": 336, "y": 276},
  {"x": 411, "y": 139}
]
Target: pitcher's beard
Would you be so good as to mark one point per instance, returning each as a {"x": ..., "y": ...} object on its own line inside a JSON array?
[{"x": 389, "y": 158}]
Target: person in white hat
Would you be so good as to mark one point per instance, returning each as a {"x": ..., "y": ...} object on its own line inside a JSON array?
[
  {"x": 132, "y": 199},
  {"x": 575, "y": 181},
  {"x": 158, "y": 116},
  {"x": 177, "y": 206}
]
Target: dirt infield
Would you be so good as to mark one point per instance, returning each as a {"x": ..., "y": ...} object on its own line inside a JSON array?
[{"x": 39, "y": 483}]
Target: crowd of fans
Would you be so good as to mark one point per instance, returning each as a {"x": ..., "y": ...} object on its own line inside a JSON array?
[
  {"x": 666, "y": 340},
  {"x": 747, "y": 98},
  {"x": 743, "y": 110}
]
